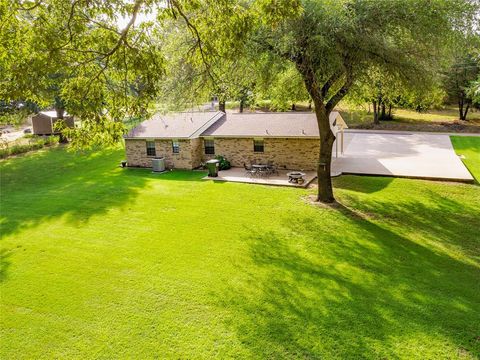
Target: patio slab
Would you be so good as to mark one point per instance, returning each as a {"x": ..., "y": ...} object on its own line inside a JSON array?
[
  {"x": 413, "y": 155},
  {"x": 238, "y": 175}
]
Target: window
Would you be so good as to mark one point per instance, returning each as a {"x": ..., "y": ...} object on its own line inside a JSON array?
[
  {"x": 151, "y": 148},
  {"x": 258, "y": 145},
  {"x": 175, "y": 146},
  {"x": 209, "y": 146}
]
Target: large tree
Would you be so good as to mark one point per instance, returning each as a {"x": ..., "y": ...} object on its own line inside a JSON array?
[
  {"x": 91, "y": 58},
  {"x": 334, "y": 43},
  {"x": 384, "y": 93},
  {"x": 458, "y": 79}
]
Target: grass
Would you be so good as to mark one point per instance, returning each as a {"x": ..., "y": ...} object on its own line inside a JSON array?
[
  {"x": 104, "y": 262},
  {"x": 469, "y": 148},
  {"x": 444, "y": 120}
]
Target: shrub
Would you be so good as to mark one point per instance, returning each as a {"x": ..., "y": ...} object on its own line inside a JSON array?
[
  {"x": 224, "y": 163},
  {"x": 35, "y": 143}
]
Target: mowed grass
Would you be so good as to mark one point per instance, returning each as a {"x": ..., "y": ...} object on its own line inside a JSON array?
[
  {"x": 469, "y": 148},
  {"x": 104, "y": 262}
]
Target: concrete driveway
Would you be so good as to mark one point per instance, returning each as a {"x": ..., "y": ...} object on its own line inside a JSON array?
[{"x": 415, "y": 155}]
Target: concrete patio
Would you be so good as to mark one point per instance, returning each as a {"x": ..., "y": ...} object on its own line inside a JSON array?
[
  {"x": 405, "y": 154},
  {"x": 281, "y": 179},
  {"x": 412, "y": 155}
]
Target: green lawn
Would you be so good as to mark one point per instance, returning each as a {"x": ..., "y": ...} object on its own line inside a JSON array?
[
  {"x": 469, "y": 147},
  {"x": 104, "y": 262}
]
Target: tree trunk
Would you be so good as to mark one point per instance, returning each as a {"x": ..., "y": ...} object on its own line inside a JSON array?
[
  {"x": 60, "y": 112},
  {"x": 221, "y": 105},
  {"x": 390, "y": 111},
  {"x": 383, "y": 115},
  {"x": 460, "y": 108},
  {"x": 325, "y": 190},
  {"x": 309, "y": 104},
  {"x": 376, "y": 120},
  {"x": 241, "y": 105},
  {"x": 466, "y": 112},
  {"x": 293, "y": 107}
]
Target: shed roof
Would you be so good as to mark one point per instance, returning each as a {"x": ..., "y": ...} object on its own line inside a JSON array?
[
  {"x": 289, "y": 124},
  {"x": 175, "y": 125},
  {"x": 52, "y": 113}
]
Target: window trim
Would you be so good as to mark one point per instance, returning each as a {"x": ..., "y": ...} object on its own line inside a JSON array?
[
  {"x": 212, "y": 147},
  {"x": 177, "y": 147},
  {"x": 257, "y": 147},
  {"x": 147, "y": 142}
]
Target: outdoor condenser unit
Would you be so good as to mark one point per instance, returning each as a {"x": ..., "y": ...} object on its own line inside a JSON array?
[{"x": 158, "y": 164}]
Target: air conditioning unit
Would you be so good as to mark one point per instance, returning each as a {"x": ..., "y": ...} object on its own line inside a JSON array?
[{"x": 158, "y": 164}]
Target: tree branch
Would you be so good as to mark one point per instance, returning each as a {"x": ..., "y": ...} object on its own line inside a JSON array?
[
  {"x": 193, "y": 29},
  {"x": 335, "y": 99},
  {"x": 36, "y": 4},
  {"x": 121, "y": 39},
  {"x": 331, "y": 81}
]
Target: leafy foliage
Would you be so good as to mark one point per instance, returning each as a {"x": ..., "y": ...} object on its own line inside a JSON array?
[
  {"x": 224, "y": 163},
  {"x": 34, "y": 143},
  {"x": 459, "y": 79},
  {"x": 473, "y": 92},
  {"x": 74, "y": 55},
  {"x": 285, "y": 88}
]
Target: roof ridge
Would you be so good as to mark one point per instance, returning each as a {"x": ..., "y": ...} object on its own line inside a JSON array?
[{"x": 217, "y": 116}]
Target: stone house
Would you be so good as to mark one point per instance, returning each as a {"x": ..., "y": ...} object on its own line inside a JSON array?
[{"x": 186, "y": 140}]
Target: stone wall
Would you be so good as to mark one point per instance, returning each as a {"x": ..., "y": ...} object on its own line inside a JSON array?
[
  {"x": 286, "y": 153},
  {"x": 197, "y": 152},
  {"x": 187, "y": 158}
]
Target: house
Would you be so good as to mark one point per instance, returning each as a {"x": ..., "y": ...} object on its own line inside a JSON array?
[
  {"x": 43, "y": 122},
  {"x": 187, "y": 139}
]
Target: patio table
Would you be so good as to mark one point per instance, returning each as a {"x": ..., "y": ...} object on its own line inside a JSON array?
[{"x": 261, "y": 169}]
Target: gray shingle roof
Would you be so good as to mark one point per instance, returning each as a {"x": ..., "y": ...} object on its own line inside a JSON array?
[
  {"x": 290, "y": 124},
  {"x": 175, "y": 125},
  {"x": 217, "y": 124}
]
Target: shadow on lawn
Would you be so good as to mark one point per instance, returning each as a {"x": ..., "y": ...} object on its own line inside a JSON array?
[
  {"x": 56, "y": 183},
  {"x": 359, "y": 184},
  {"x": 4, "y": 263},
  {"x": 360, "y": 290}
]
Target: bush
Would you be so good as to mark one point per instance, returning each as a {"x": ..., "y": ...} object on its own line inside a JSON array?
[
  {"x": 35, "y": 143},
  {"x": 14, "y": 117},
  {"x": 224, "y": 163}
]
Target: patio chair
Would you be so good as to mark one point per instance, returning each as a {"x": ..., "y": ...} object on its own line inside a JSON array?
[
  {"x": 272, "y": 168},
  {"x": 249, "y": 170}
]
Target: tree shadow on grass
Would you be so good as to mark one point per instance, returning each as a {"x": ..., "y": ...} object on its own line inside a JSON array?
[
  {"x": 357, "y": 183},
  {"x": 359, "y": 290},
  {"x": 4, "y": 263},
  {"x": 169, "y": 175},
  {"x": 56, "y": 183},
  {"x": 439, "y": 219}
]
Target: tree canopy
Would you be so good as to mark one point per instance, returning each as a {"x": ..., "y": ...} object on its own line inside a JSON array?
[
  {"x": 333, "y": 44},
  {"x": 76, "y": 52}
]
